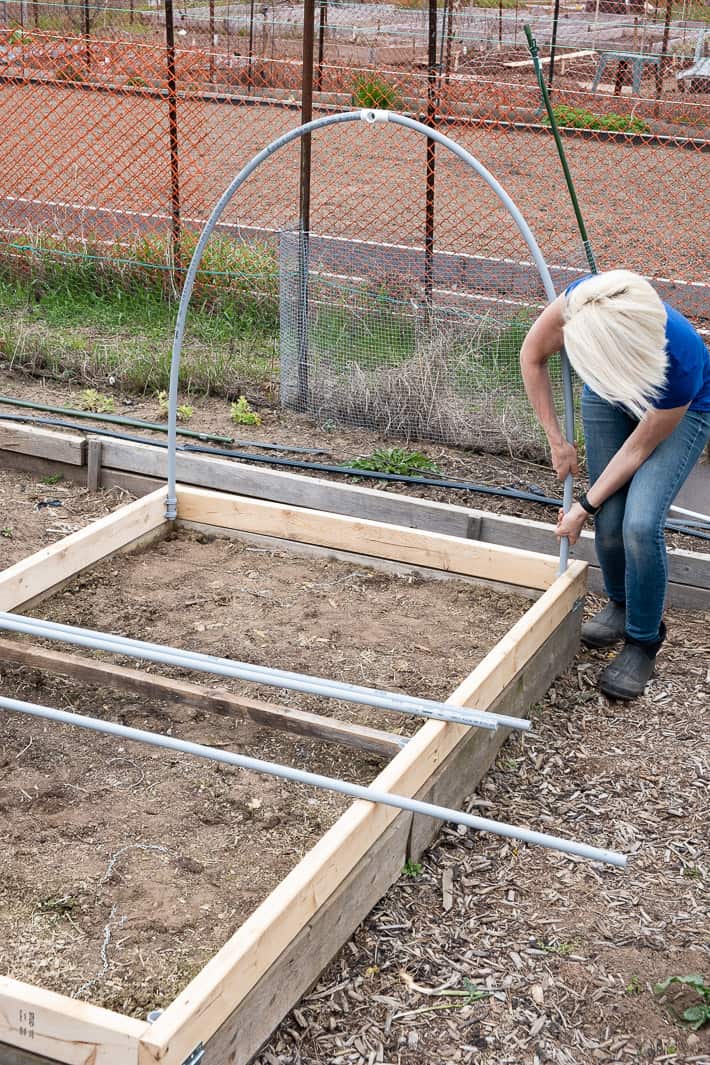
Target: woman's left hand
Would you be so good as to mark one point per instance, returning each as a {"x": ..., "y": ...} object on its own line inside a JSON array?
[{"x": 571, "y": 523}]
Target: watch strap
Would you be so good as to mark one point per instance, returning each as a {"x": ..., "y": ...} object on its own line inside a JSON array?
[{"x": 586, "y": 505}]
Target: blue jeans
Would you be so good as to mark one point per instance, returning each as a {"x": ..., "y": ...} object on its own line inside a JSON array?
[{"x": 629, "y": 527}]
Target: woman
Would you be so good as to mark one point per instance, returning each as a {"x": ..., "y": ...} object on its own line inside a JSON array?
[{"x": 646, "y": 414}]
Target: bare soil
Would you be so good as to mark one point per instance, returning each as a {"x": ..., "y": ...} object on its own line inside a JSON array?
[
  {"x": 37, "y": 511},
  {"x": 125, "y": 869}
]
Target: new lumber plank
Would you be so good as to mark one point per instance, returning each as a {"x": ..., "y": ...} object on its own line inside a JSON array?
[
  {"x": 49, "y": 567},
  {"x": 433, "y": 550},
  {"x": 459, "y": 775},
  {"x": 69, "y": 448},
  {"x": 236, "y": 969},
  {"x": 300, "y": 965},
  {"x": 269, "y": 715},
  {"x": 64, "y": 1029}
]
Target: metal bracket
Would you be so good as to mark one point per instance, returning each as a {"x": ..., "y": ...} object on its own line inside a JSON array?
[{"x": 196, "y": 1056}]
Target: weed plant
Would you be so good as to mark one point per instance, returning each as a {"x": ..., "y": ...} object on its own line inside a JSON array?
[
  {"x": 396, "y": 460},
  {"x": 242, "y": 413},
  {"x": 697, "y": 1015},
  {"x": 92, "y": 400},
  {"x": 580, "y": 118},
  {"x": 373, "y": 91},
  {"x": 184, "y": 411}
]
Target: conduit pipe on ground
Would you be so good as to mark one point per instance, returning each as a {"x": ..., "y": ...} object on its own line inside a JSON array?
[
  {"x": 354, "y": 791},
  {"x": 275, "y": 678}
]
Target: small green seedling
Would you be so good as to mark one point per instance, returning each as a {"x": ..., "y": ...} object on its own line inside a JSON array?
[
  {"x": 6, "y": 532},
  {"x": 184, "y": 411},
  {"x": 52, "y": 478},
  {"x": 562, "y": 949},
  {"x": 474, "y": 993},
  {"x": 242, "y": 414},
  {"x": 395, "y": 460},
  {"x": 412, "y": 869},
  {"x": 695, "y": 1016},
  {"x": 634, "y": 986},
  {"x": 95, "y": 401}
]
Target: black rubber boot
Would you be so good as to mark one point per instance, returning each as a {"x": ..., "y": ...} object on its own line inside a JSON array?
[
  {"x": 627, "y": 676},
  {"x": 607, "y": 627}
]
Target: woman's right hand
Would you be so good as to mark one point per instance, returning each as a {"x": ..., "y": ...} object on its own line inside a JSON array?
[{"x": 564, "y": 459}]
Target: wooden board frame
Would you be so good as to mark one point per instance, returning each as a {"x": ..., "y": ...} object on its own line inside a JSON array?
[
  {"x": 244, "y": 991},
  {"x": 140, "y": 468}
]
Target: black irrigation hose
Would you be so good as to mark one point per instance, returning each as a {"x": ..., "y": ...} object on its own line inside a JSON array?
[
  {"x": 401, "y": 478},
  {"x": 138, "y": 423},
  {"x": 320, "y": 467}
]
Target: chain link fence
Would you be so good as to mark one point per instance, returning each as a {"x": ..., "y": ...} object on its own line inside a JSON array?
[{"x": 111, "y": 165}]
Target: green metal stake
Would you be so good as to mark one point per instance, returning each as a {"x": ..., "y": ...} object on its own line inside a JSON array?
[
  {"x": 532, "y": 45},
  {"x": 114, "y": 419}
]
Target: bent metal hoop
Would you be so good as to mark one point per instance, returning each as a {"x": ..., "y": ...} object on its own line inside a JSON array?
[{"x": 369, "y": 117}]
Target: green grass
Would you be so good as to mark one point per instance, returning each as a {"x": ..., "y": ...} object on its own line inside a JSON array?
[
  {"x": 580, "y": 118},
  {"x": 88, "y": 319},
  {"x": 375, "y": 336}
]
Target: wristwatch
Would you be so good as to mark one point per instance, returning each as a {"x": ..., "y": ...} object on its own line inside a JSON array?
[{"x": 586, "y": 505}]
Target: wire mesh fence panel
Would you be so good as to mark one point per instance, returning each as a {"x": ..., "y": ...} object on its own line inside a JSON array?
[{"x": 363, "y": 341}]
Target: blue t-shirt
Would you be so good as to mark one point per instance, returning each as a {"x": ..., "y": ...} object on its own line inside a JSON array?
[{"x": 688, "y": 372}]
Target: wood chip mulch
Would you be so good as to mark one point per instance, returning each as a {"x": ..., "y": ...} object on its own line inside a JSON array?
[{"x": 494, "y": 953}]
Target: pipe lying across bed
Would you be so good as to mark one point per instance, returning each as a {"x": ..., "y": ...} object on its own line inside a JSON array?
[
  {"x": 354, "y": 791},
  {"x": 275, "y": 678}
]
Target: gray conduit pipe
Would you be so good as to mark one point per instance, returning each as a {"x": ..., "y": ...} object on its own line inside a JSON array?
[
  {"x": 275, "y": 678},
  {"x": 370, "y": 117},
  {"x": 354, "y": 791}
]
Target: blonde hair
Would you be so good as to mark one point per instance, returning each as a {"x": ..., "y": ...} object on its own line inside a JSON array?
[{"x": 615, "y": 337}]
